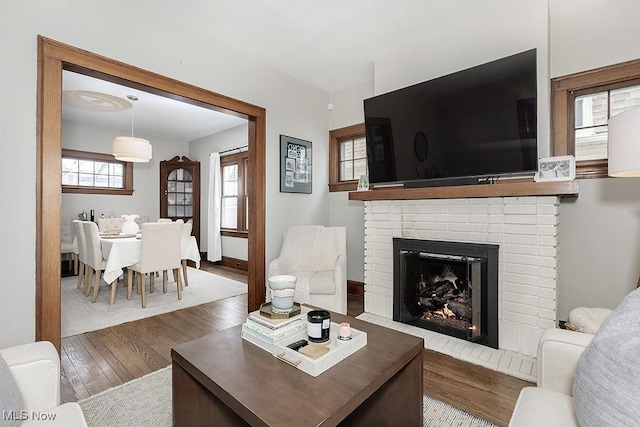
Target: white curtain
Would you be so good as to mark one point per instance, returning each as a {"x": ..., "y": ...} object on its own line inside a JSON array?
[{"x": 214, "y": 240}]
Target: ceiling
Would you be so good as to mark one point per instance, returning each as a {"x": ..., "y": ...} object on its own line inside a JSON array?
[
  {"x": 332, "y": 45},
  {"x": 302, "y": 38},
  {"x": 329, "y": 44},
  {"x": 97, "y": 102}
]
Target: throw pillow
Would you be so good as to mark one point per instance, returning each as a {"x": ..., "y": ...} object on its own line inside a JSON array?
[
  {"x": 10, "y": 397},
  {"x": 607, "y": 380}
]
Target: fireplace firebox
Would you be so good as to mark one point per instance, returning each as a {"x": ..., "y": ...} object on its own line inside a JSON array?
[{"x": 447, "y": 287}]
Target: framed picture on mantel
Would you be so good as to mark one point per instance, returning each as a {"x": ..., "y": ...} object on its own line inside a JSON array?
[
  {"x": 559, "y": 168},
  {"x": 295, "y": 165}
]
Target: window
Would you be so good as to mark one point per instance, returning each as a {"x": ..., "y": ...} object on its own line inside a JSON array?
[
  {"x": 592, "y": 113},
  {"x": 582, "y": 104},
  {"x": 347, "y": 157},
  {"x": 234, "y": 210},
  {"x": 95, "y": 173}
]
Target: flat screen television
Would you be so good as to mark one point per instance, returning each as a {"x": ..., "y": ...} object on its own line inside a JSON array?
[{"x": 467, "y": 127}]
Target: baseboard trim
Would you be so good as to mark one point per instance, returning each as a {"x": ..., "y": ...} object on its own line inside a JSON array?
[
  {"x": 355, "y": 288},
  {"x": 234, "y": 263}
]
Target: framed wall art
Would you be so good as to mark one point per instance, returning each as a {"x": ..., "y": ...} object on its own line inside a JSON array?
[
  {"x": 295, "y": 165},
  {"x": 559, "y": 168}
]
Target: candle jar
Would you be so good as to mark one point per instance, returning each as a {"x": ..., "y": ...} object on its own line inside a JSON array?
[
  {"x": 344, "y": 331},
  {"x": 318, "y": 325}
]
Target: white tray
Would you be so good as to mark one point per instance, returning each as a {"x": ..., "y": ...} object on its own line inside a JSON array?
[{"x": 338, "y": 350}]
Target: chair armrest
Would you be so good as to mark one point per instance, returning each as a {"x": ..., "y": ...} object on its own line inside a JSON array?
[
  {"x": 558, "y": 354},
  {"x": 340, "y": 272},
  {"x": 340, "y": 279},
  {"x": 36, "y": 370},
  {"x": 277, "y": 266}
]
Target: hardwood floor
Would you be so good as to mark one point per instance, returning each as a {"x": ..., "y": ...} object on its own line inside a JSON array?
[{"x": 95, "y": 361}]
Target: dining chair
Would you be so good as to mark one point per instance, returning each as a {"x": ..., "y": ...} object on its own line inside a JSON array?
[
  {"x": 66, "y": 242},
  {"x": 110, "y": 225},
  {"x": 142, "y": 219},
  {"x": 95, "y": 262},
  {"x": 78, "y": 230},
  {"x": 184, "y": 241},
  {"x": 160, "y": 251}
]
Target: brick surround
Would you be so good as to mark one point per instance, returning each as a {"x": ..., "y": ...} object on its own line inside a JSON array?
[{"x": 525, "y": 228}]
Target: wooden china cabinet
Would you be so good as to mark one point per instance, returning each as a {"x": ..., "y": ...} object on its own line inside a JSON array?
[{"x": 180, "y": 191}]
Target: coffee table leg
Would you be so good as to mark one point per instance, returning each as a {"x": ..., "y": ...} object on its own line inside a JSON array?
[{"x": 397, "y": 403}]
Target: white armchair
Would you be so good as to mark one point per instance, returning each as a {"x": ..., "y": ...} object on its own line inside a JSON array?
[
  {"x": 317, "y": 256},
  {"x": 551, "y": 402},
  {"x": 34, "y": 375}
]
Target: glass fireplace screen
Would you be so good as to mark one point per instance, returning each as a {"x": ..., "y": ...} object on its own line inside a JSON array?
[{"x": 445, "y": 293}]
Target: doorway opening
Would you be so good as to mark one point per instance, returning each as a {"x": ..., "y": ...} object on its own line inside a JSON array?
[{"x": 53, "y": 58}]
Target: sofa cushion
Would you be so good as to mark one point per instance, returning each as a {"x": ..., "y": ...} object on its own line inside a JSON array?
[
  {"x": 10, "y": 397},
  {"x": 545, "y": 408},
  {"x": 607, "y": 379}
]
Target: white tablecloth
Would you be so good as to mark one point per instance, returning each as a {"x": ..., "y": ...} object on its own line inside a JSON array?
[{"x": 121, "y": 253}]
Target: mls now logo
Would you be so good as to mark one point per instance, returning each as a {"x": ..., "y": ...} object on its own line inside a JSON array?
[
  {"x": 26, "y": 415},
  {"x": 15, "y": 415}
]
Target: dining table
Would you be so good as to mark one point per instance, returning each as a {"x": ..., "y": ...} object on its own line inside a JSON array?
[{"x": 121, "y": 251}]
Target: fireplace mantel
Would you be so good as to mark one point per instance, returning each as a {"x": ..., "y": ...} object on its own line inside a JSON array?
[{"x": 501, "y": 189}]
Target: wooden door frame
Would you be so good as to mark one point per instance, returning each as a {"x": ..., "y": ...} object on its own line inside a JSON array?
[{"x": 53, "y": 57}]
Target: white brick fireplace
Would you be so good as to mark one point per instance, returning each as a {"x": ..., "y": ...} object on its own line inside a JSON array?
[{"x": 526, "y": 230}]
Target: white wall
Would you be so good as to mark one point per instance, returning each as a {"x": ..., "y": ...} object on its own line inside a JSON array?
[
  {"x": 599, "y": 253},
  {"x": 146, "y": 176},
  {"x": 599, "y": 244},
  {"x": 599, "y": 231},
  {"x": 347, "y": 110},
  {"x": 160, "y": 44},
  {"x": 474, "y": 38},
  {"x": 199, "y": 150},
  {"x": 491, "y": 30}
]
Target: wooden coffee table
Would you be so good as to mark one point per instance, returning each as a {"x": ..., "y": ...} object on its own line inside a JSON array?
[{"x": 221, "y": 380}]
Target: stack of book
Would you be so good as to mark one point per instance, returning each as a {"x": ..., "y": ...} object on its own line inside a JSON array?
[{"x": 265, "y": 332}]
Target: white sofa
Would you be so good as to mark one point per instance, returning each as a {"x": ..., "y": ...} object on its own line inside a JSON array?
[
  {"x": 317, "y": 256},
  {"x": 33, "y": 378},
  {"x": 587, "y": 380},
  {"x": 551, "y": 403}
]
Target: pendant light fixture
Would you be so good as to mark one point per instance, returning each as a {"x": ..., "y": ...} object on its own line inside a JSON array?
[{"x": 129, "y": 148}]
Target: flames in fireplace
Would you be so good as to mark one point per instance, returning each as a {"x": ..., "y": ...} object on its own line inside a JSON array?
[{"x": 444, "y": 298}]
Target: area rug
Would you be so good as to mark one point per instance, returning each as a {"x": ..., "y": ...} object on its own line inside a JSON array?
[
  {"x": 80, "y": 315},
  {"x": 146, "y": 401}
]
